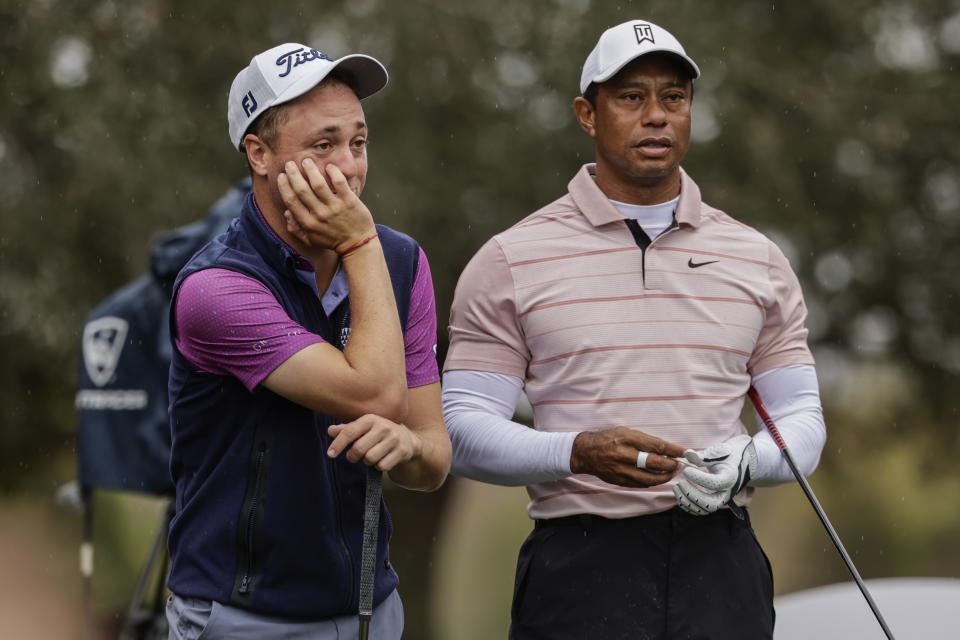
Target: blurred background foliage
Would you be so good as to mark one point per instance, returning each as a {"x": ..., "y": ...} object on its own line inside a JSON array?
[{"x": 830, "y": 126}]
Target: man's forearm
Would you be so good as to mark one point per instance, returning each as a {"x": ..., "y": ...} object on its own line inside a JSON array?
[
  {"x": 495, "y": 450},
  {"x": 429, "y": 468},
  {"x": 487, "y": 445},
  {"x": 375, "y": 349}
]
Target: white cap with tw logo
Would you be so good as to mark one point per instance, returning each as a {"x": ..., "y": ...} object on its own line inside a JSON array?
[
  {"x": 286, "y": 72},
  {"x": 625, "y": 42}
]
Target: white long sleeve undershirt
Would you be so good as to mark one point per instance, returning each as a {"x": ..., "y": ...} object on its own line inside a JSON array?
[
  {"x": 487, "y": 445},
  {"x": 490, "y": 447},
  {"x": 791, "y": 397}
]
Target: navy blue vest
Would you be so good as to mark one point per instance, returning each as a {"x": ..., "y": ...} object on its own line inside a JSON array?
[{"x": 264, "y": 519}]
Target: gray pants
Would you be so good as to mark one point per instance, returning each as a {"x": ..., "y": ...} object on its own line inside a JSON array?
[{"x": 196, "y": 619}]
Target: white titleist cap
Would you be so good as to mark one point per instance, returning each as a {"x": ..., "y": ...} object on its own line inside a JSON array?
[
  {"x": 625, "y": 42},
  {"x": 286, "y": 72}
]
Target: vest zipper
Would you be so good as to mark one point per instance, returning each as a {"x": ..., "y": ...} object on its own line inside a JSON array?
[
  {"x": 252, "y": 520},
  {"x": 340, "y": 535}
]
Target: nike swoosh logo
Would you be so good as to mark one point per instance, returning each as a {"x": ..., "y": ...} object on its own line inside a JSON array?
[{"x": 694, "y": 265}]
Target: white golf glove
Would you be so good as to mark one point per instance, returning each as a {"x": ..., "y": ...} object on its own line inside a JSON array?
[{"x": 725, "y": 468}]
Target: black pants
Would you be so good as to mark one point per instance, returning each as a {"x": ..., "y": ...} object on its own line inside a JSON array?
[{"x": 667, "y": 576}]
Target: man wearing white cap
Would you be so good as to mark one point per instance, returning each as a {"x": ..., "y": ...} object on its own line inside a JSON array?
[
  {"x": 635, "y": 317},
  {"x": 304, "y": 341}
]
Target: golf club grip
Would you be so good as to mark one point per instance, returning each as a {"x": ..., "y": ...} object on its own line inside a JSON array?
[
  {"x": 768, "y": 421},
  {"x": 368, "y": 557},
  {"x": 821, "y": 514}
]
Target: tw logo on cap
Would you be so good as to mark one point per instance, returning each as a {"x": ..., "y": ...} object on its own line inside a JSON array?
[
  {"x": 643, "y": 32},
  {"x": 297, "y": 57}
]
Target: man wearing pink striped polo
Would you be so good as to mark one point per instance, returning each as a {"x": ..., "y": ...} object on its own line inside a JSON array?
[{"x": 635, "y": 317}]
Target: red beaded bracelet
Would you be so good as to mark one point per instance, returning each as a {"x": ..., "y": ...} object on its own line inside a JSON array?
[{"x": 358, "y": 245}]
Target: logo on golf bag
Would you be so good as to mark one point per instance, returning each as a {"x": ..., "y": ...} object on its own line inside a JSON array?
[
  {"x": 103, "y": 340},
  {"x": 643, "y": 32}
]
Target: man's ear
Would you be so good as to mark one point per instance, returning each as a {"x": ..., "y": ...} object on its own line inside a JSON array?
[
  {"x": 258, "y": 153},
  {"x": 586, "y": 115}
]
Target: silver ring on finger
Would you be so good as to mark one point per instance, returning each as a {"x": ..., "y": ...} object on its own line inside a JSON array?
[{"x": 642, "y": 459}]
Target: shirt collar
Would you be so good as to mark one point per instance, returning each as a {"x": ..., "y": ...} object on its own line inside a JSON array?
[
  {"x": 597, "y": 208},
  {"x": 338, "y": 290},
  {"x": 301, "y": 263}
]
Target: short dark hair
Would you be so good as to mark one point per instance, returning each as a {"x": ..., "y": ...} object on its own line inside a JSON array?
[
  {"x": 267, "y": 125},
  {"x": 591, "y": 94}
]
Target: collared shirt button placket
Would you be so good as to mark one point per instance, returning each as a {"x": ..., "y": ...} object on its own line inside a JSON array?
[{"x": 653, "y": 260}]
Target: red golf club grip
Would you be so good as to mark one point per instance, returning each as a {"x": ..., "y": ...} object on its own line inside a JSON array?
[{"x": 767, "y": 420}]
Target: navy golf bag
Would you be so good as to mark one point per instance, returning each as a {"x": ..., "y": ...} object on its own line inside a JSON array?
[{"x": 123, "y": 429}]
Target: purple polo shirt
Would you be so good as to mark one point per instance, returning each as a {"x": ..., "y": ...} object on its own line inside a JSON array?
[{"x": 230, "y": 324}]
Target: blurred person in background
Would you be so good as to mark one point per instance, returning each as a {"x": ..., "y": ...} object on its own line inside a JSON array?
[
  {"x": 305, "y": 341},
  {"x": 635, "y": 317}
]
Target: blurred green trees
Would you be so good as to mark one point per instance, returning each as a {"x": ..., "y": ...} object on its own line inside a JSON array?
[{"x": 830, "y": 126}]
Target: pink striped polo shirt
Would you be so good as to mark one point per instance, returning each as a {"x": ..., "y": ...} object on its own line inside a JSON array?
[{"x": 604, "y": 334}]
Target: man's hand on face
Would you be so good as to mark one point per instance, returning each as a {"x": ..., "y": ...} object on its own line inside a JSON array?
[
  {"x": 376, "y": 441},
  {"x": 322, "y": 214},
  {"x": 625, "y": 457}
]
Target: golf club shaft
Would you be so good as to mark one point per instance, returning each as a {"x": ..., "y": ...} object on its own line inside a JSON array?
[{"x": 772, "y": 428}]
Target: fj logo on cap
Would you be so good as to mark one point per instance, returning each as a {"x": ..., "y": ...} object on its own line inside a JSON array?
[
  {"x": 249, "y": 103},
  {"x": 643, "y": 32},
  {"x": 297, "y": 57}
]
